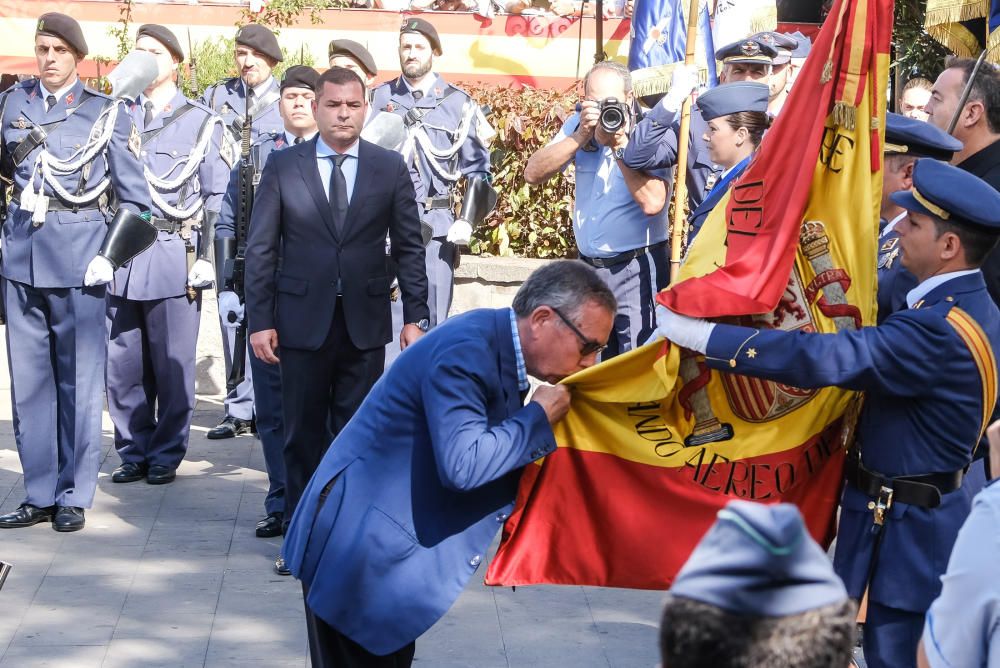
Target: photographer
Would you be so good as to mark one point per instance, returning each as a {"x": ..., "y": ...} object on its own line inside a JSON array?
[{"x": 620, "y": 217}]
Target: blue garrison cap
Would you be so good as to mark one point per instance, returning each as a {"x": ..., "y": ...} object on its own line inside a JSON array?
[
  {"x": 952, "y": 194},
  {"x": 912, "y": 137},
  {"x": 804, "y": 44},
  {"x": 733, "y": 97},
  {"x": 783, "y": 44},
  {"x": 759, "y": 560},
  {"x": 749, "y": 50}
]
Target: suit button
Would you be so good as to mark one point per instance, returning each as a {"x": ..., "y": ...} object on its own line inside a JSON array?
[{"x": 474, "y": 562}]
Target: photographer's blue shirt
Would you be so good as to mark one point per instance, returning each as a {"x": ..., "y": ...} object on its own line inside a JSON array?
[{"x": 606, "y": 219}]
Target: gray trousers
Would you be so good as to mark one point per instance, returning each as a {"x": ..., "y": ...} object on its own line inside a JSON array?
[
  {"x": 150, "y": 377},
  {"x": 56, "y": 346},
  {"x": 238, "y": 402}
]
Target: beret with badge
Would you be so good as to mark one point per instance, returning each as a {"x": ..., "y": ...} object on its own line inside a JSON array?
[
  {"x": 424, "y": 28},
  {"x": 65, "y": 28},
  {"x": 352, "y": 49},
  {"x": 164, "y": 36},
  {"x": 260, "y": 39},
  {"x": 299, "y": 76}
]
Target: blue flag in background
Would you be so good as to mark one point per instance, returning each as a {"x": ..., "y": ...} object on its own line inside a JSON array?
[{"x": 659, "y": 33}]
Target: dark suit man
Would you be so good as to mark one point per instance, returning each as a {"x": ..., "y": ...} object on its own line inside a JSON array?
[
  {"x": 325, "y": 206},
  {"x": 406, "y": 501}
]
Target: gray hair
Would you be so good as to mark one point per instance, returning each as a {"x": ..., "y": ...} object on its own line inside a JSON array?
[
  {"x": 610, "y": 66},
  {"x": 565, "y": 285}
]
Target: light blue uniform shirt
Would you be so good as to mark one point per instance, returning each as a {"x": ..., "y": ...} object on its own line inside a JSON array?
[
  {"x": 325, "y": 164},
  {"x": 963, "y": 624},
  {"x": 607, "y": 220}
]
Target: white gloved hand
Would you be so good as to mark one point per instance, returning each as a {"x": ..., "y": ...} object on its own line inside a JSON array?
[
  {"x": 229, "y": 304},
  {"x": 99, "y": 272},
  {"x": 690, "y": 333},
  {"x": 460, "y": 233},
  {"x": 201, "y": 275},
  {"x": 684, "y": 81}
]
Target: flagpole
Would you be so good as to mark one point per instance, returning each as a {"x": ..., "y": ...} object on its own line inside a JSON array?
[
  {"x": 966, "y": 92},
  {"x": 683, "y": 135}
]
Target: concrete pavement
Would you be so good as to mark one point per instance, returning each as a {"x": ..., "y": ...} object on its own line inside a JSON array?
[{"x": 173, "y": 576}]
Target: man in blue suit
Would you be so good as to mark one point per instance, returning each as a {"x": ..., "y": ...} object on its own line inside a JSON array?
[
  {"x": 403, "y": 507},
  {"x": 929, "y": 373},
  {"x": 324, "y": 208}
]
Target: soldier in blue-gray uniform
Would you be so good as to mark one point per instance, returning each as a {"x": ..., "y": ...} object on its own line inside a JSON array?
[
  {"x": 73, "y": 156},
  {"x": 906, "y": 140},
  {"x": 929, "y": 374},
  {"x": 154, "y": 303},
  {"x": 653, "y": 144},
  {"x": 447, "y": 138},
  {"x": 257, "y": 52},
  {"x": 298, "y": 89}
]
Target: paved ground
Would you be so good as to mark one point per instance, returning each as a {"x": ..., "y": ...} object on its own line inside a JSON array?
[{"x": 174, "y": 576}]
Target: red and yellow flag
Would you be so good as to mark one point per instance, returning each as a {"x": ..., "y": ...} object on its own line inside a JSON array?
[{"x": 655, "y": 442}]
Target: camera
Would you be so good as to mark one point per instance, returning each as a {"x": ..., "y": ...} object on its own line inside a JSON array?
[{"x": 613, "y": 115}]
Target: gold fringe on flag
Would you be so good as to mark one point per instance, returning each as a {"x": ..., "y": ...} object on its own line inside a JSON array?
[
  {"x": 656, "y": 80},
  {"x": 954, "y": 11},
  {"x": 845, "y": 115}
]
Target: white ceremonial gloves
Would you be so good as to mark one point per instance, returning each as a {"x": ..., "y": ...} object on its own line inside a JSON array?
[
  {"x": 201, "y": 275},
  {"x": 460, "y": 233},
  {"x": 99, "y": 272},
  {"x": 690, "y": 333},
  {"x": 684, "y": 81},
  {"x": 230, "y": 309}
]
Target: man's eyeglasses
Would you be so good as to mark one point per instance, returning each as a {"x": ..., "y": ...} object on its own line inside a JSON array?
[{"x": 589, "y": 345}]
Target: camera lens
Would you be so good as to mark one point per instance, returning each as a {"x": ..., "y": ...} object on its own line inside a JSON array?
[{"x": 612, "y": 119}]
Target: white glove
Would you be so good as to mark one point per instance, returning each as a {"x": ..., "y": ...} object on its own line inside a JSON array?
[
  {"x": 690, "y": 333},
  {"x": 99, "y": 272},
  {"x": 684, "y": 81},
  {"x": 229, "y": 303},
  {"x": 201, "y": 275},
  {"x": 460, "y": 233}
]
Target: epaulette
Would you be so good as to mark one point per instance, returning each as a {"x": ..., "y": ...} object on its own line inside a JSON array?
[
  {"x": 96, "y": 93},
  {"x": 198, "y": 104},
  {"x": 940, "y": 307}
]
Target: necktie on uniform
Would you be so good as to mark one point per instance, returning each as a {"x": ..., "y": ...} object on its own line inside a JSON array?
[
  {"x": 338, "y": 192},
  {"x": 148, "y": 118},
  {"x": 298, "y": 140},
  {"x": 250, "y": 97},
  {"x": 50, "y": 102},
  {"x": 417, "y": 94}
]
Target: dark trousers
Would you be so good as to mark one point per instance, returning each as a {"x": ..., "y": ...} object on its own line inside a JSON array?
[
  {"x": 891, "y": 636},
  {"x": 320, "y": 391},
  {"x": 328, "y": 648},
  {"x": 270, "y": 430}
]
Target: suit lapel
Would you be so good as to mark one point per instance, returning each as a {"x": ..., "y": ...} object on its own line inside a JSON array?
[
  {"x": 507, "y": 360},
  {"x": 310, "y": 174}
]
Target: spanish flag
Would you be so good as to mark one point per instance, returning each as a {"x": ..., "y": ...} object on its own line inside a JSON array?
[{"x": 655, "y": 442}]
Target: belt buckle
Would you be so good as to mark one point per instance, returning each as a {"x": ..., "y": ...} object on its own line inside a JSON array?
[{"x": 880, "y": 505}]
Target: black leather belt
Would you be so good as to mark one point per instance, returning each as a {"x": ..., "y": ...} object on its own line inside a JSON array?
[
  {"x": 166, "y": 225},
  {"x": 621, "y": 258},
  {"x": 915, "y": 490},
  {"x": 56, "y": 204},
  {"x": 441, "y": 202}
]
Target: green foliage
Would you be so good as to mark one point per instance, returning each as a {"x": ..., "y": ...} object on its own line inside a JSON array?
[
  {"x": 283, "y": 13},
  {"x": 214, "y": 61},
  {"x": 917, "y": 53},
  {"x": 529, "y": 221},
  {"x": 122, "y": 30}
]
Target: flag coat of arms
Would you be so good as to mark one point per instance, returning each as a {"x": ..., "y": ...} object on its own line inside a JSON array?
[{"x": 655, "y": 442}]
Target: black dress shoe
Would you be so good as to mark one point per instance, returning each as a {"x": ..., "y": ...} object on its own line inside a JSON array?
[
  {"x": 129, "y": 472},
  {"x": 160, "y": 475},
  {"x": 231, "y": 427},
  {"x": 270, "y": 526},
  {"x": 26, "y": 516},
  {"x": 280, "y": 568},
  {"x": 68, "y": 518}
]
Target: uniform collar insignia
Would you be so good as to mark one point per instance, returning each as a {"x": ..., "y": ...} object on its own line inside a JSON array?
[
  {"x": 167, "y": 109},
  {"x": 279, "y": 142},
  {"x": 390, "y": 107},
  {"x": 438, "y": 92},
  {"x": 69, "y": 99}
]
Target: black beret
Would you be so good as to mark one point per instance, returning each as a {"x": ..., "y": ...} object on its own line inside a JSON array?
[
  {"x": 65, "y": 28},
  {"x": 259, "y": 38},
  {"x": 299, "y": 76},
  {"x": 424, "y": 28},
  {"x": 164, "y": 37},
  {"x": 350, "y": 48}
]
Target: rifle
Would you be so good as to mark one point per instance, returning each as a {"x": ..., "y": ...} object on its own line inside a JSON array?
[
  {"x": 192, "y": 67},
  {"x": 237, "y": 275}
]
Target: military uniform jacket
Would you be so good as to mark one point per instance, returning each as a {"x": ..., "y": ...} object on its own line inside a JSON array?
[
  {"x": 923, "y": 411},
  {"x": 228, "y": 99},
  {"x": 54, "y": 253},
  {"x": 894, "y": 281},
  {"x": 168, "y": 143},
  {"x": 700, "y": 213},
  {"x": 653, "y": 145},
  {"x": 443, "y": 110},
  {"x": 260, "y": 149}
]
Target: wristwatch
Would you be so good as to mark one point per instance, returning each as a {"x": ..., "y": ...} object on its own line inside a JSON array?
[{"x": 423, "y": 324}]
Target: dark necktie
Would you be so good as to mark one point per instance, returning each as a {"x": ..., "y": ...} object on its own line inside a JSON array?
[
  {"x": 250, "y": 97},
  {"x": 148, "y": 118},
  {"x": 50, "y": 102},
  {"x": 338, "y": 192},
  {"x": 417, "y": 94},
  {"x": 298, "y": 140}
]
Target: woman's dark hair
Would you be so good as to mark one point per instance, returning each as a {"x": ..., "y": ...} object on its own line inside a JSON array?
[{"x": 756, "y": 122}]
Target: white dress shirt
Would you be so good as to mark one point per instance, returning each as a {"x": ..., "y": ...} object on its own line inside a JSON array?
[{"x": 325, "y": 165}]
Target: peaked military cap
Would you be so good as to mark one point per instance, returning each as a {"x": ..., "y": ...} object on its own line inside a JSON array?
[
  {"x": 65, "y": 28},
  {"x": 758, "y": 560},
  {"x": 164, "y": 36},
  {"x": 783, "y": 44},
  {"x": 424, "y": 28},
  {"x": 952, "y": 194},
  {"x": 749, "y": 50},
  {"x": 259, "y": 38},
  {"x": 352, "y": 49},
  {"x": 733, "y": 97},
  {"x": 804, "y": 44},
  {"x": 299, "y": 76},
  {"x": 909, "y": 136}
]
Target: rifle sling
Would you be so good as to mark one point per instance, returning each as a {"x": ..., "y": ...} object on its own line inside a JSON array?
[{"x": 149, "y": 135}]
